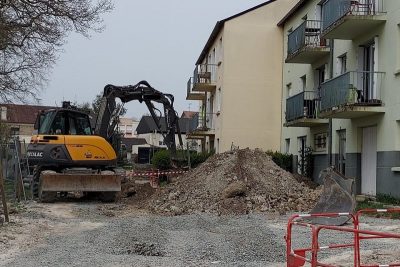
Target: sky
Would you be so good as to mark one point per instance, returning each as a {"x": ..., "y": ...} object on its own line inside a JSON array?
[{"x": 154, "y": 40}]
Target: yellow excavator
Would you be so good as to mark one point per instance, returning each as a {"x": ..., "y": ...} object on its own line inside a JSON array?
[{"x": 70, "y": 155}]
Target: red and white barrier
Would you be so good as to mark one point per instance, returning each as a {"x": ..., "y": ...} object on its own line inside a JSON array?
[
  {"x": 297, "y": 257},
  {"x": 153, "y": 173}
]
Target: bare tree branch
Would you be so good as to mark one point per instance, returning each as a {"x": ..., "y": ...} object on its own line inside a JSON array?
[{"x": 31, "y": 35}]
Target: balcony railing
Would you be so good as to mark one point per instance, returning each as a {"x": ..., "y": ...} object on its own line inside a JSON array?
[
  {"x": 353, "y": 88},
  {"x": 334, "y": 10},
  {"x": 204, "y": 74},
  {"x": 302, "y": 105},
  {"x": 308, "y": 34},
  {"x": 204, "y": 122},
  {"x": 192, "y": 95}
]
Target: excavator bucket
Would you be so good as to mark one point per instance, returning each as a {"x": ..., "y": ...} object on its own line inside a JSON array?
[{"x": 337, "y": 197}]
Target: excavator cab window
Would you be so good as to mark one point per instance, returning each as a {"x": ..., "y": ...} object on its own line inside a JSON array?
[
  {"x": 44, "y": 122},
  {"x": 79, "y": 124},
  {"x": 58, "y": 125}
]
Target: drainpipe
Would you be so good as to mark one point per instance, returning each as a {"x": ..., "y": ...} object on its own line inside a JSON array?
[{"x": 330, "y": 130}]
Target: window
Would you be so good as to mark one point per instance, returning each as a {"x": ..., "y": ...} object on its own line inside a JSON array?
[
  {"x": 14, "y": 131},
  {"x": 398, "y": 51},
  {"x": 320, "y": 142},
  {"x": 219, "y": 95},
  {"x": 79, "y": 124},
  {"x": 302, "y": 149},
  {"x": 58, "y": 124},
  {"x": 45, "y": 122},
  {"x": 287, "y": 145},
  {"x": 289, "y": 89},
  {"x": 341, "y": 164},
  {"x": 320, "y": 76},
  {"x": 318, "y": 12},
  {"x": 342, "y": 64},
  {"x": 220, "y": 51},
  {"x": 303, "y": 82}
]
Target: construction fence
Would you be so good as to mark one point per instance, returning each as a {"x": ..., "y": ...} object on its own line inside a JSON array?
[
  {"x": 15, "y": 170},
  {"x": 297, "y": 257}
]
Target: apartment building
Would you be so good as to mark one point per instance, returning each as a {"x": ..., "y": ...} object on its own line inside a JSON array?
[
  {"x": 237, "y": 80},
  {"x": 128, "y": 126},
  {"x": 341, "y": 76}
]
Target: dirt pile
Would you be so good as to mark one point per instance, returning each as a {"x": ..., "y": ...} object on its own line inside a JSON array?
[{"x": 237, "y": 182}]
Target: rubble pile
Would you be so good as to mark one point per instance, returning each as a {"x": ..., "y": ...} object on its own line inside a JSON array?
[{"x": 236, "y": 182}]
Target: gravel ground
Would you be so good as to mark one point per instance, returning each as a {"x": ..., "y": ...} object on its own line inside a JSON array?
[{"x": 95, "y": 234}]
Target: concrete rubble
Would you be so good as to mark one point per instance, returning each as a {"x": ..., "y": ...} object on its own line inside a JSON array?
[{"x": 237, "y": 182}]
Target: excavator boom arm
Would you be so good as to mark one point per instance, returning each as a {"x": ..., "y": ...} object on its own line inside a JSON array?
[{"x": 107, "y": 118}]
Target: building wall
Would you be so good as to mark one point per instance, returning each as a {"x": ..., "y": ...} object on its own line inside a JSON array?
[
  {"x": 156, "y": 139},
  {"x": 249, "y": 80},
  {"x": 387, "y": 40},
  {"x": 128, "y": 127},
  {"x": 24, "y": 132}
]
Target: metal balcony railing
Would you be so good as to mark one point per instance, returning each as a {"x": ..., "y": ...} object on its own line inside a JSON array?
[
  {"x": 302, "y": 105},
  {"x": 308, "y": 34},
  {"x": 334, "y": 10},
  {"x": 205, "y": 74},
  {"x": 204, "y": 122},
  {"x": 360, "y": 88}
]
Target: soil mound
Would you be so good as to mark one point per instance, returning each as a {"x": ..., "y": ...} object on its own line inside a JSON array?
[{"x": 236, "y": 182}]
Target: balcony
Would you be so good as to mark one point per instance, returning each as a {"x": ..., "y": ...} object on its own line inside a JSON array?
[
  {"x": 191, "y": 95},
  {"x": 205, "y": 78},
  {"x": 204, "y": 126},
  {"x": 351, "y": 95},
  {"x": 302, "y": 110},
  {"x": 305, "y": 44},
  {"x": 348, "y": 19}
]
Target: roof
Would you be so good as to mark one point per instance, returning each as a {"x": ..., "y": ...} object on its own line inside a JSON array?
[
  {"x": 129, "y": 142},
  {"x": 147, "y": 125},
  {"x": 25, "y": 114},
  {"x": 296, "y": 8},
  {"x": 219, "y": 25},
  {"x": 188, "y": 114}
]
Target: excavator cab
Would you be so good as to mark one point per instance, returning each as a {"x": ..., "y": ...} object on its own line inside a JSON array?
[{"x": 63, "y": 122}]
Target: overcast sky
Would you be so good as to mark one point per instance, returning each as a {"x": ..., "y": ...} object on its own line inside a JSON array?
[{"x": 158, "y": 41}]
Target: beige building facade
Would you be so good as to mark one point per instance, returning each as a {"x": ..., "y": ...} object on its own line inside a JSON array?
[
  {"x": 128, "y": 126},
  {"x": 341, "y": 76},
  {"x": 237, "y": 81}
]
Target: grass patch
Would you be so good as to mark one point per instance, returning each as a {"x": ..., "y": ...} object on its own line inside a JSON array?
[
  {"x": 387, "y": 199},
  {"x": 382, "y": 201}
]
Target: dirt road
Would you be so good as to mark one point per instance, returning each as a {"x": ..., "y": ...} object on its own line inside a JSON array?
[{"x": 95, "y": 234}]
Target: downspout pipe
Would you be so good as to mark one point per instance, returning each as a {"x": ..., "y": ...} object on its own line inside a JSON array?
[{"x": 330, "y": 130}]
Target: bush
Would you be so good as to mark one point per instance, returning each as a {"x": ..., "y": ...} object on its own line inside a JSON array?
[
  {"x": 197, "y": 158},
  {"x": 284, "y": 161},
  {"x": 162, "y": 160}
]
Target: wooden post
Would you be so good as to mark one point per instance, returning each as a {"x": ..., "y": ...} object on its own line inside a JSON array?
[{"x": 3, "y": 194}]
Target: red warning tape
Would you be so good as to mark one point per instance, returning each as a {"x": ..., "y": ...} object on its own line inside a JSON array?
[{"x": 138, "y": 174}]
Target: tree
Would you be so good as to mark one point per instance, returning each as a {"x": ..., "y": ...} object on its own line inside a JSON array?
[
  {"x": 4, "y": 133},
  {"x": 96, "y": 105},
  {"x": 32, "y": 33}
]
